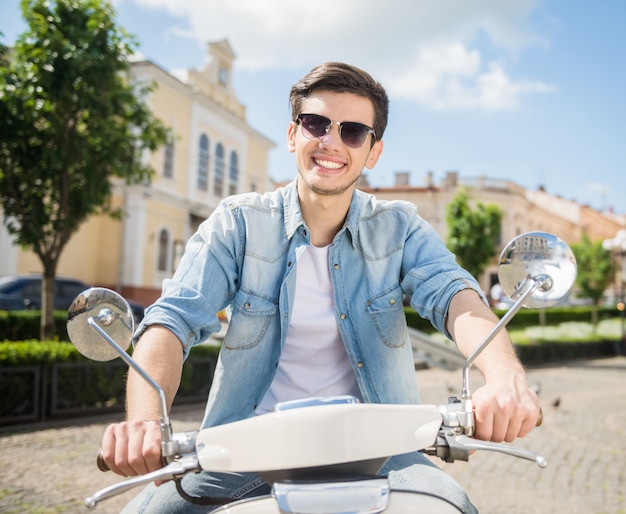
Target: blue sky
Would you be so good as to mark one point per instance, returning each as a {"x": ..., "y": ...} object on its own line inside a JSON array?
[{"x": 525, "y": 90}]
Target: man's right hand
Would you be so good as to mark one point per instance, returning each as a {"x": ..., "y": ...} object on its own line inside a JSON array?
[{"x": 132, "y": 447}]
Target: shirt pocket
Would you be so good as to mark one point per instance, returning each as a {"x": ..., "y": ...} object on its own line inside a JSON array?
[
  {"x": 251, "y": 318},
  {"x": 387, "y": 313}
]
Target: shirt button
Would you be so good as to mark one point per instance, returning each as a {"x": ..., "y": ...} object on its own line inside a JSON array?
[
  {"x": 359, "y": 364},
  {"x": 246, "y": 305},
  {"x": 343, "y": 316},
  {"x": 392, "y": 301},
  {"x": 336, "y": 266}
]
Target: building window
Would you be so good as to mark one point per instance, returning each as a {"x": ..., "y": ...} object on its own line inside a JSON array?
[
  {"x": 203, "y": 163},
  {"x": 233, "y": 173},
  {"x": 218, "y": 185},
  {"x": 164, "y": 245},
  {"x": 168, "y": 160},
  {"x": 179, "y": 248},
  {"x": 223, "y": 76}
]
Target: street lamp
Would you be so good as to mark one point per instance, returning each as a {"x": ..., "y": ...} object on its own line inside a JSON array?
[{"x": 617, "y": 247}]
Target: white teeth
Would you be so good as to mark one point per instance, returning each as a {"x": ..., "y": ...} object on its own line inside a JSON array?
[{"x": 328, "y": 164}]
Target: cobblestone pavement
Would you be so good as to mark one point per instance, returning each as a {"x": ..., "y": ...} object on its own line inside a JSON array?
[{"x": 51, "y": 469}]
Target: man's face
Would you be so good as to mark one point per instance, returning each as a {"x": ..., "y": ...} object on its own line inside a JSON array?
[{"x": 326, "y": 165}]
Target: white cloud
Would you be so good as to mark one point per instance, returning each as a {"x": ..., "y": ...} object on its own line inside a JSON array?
[
  {"x": 429, "y": 51},
  {"x": 453, "y": 77}
]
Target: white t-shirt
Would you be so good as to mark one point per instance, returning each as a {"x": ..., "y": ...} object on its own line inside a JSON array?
[{"x": 314, "y": 360}]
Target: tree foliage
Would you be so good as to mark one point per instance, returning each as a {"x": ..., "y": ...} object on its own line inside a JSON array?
[
  {"x": 473, "y": 234},
  {"x": 72, "y": 121},
  {"x": 595, "y": 270}
]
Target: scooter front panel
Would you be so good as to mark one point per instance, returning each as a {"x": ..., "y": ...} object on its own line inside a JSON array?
[{"x": 400, "y": 502}]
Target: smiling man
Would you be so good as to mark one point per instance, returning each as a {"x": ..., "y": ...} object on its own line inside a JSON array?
[{"x": 314, "y": 274}]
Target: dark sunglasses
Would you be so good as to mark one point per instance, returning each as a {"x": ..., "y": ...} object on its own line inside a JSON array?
[{"x": 352, "y": 134}]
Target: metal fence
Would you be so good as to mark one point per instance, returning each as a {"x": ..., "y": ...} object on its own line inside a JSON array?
[{"x": 50, "y": 391}]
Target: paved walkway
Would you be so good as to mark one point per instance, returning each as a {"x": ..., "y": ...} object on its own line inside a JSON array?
[{"x": 51, "y": 469}]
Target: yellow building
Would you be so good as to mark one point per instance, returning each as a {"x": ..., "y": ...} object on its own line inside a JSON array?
[{"x": 213, "y": 153}]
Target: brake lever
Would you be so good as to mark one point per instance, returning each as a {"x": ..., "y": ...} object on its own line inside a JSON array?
[
  {"x": 470, "y": 444},
  {"x": 452, "y": 445},
  {"x": 174, "y": 469}
]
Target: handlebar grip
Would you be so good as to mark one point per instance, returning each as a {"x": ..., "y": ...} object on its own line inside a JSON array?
[
  {"x": 540, "y": 418},
  {"x": 102, "y": 466}
]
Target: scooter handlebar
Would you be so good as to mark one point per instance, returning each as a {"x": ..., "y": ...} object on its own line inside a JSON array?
[{"x": 102, "y": 465}]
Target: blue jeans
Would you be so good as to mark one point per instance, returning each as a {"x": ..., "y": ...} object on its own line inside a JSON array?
[{"x": 407, "y": 472}]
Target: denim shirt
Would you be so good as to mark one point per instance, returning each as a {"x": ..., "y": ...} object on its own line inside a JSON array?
[{"x": 244, "y": 256}]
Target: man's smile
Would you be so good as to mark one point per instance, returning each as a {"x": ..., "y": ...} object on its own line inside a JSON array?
[{"x": 331, "y": 165}]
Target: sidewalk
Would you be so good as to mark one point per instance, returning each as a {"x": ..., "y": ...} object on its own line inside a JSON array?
[{"x": 52, "y": 469}]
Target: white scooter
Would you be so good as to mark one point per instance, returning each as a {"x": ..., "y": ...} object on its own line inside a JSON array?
[{"x": 322, "y": 455}]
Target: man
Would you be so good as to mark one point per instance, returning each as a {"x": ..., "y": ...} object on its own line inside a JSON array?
[{"x": 315, "y": 273}]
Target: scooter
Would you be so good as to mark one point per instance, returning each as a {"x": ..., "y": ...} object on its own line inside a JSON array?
[{"x": 322, "y": 455}]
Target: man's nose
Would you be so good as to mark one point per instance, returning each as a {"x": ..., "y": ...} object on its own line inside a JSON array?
[{"x": 333, "y": 134}]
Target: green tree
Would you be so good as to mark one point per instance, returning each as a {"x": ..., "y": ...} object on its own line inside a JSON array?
[
  {"x": 473, "y": 234},
  {"x": 595, "y": 271},
  {"x": 72, "y": 123}
]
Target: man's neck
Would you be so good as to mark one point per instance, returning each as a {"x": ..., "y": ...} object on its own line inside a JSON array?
[{"x": 324, "y": 215}]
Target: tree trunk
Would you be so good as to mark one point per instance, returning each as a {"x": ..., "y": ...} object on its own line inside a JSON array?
[
  {"x": 46, "y": 327},
  {"x": 594, "y": 317}
]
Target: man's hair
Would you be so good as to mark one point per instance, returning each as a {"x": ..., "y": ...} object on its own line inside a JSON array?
[{"x": 342, "y": 78}]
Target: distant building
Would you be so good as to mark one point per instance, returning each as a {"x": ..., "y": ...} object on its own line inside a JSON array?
[
  {"x": 213, "y": 153},
  {"x": 523, "y": 210}
]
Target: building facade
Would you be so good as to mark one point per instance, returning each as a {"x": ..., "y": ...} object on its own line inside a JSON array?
[
  {"x": 213, "y": 153},
  {"x": 523, "y": 210}
]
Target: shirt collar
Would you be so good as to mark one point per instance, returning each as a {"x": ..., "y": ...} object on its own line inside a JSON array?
[{"x": 293, "y": 213}]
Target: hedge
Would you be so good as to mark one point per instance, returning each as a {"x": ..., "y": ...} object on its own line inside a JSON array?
[
  {"x": 528, "y": 317},
  {"x": 28, "y": 353},
  {"x": 24, "y": 325},
  {"x": 52, "y": 379}
]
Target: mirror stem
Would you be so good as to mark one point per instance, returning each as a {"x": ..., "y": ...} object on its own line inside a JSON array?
[
  {"x": 528, "y": 287},
  {"x": 165, "y": 424}
]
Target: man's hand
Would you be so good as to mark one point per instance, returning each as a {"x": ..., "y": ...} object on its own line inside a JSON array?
[
  {"x": 505, "y": 408},
  {"x": 132, "y": 447}
]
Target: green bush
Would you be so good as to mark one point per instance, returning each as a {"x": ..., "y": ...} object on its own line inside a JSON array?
[
  {"x": 24, "y": 325},
  {"x": 29, "y": 353},
  {"x": 557, "y": 315},
  {"x": 70, "y": 384},
  {"x": 528, "y": 317}
]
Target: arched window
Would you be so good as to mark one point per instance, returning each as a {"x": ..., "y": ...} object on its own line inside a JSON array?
[
  {"x": 233, "y": 173},
  {"x": 203, "y": 163},
  {"x": 164, "y": 252},
  {"x": 168, "y": 160},
  {"x": 218, "y": 185}
]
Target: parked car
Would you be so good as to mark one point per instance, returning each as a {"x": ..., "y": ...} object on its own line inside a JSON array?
[{"x": 23, "y": 292}]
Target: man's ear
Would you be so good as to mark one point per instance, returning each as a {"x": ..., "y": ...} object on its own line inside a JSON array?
[
  {"x": 291, "y": 137},
  {"x": 372, "y": 157}
]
